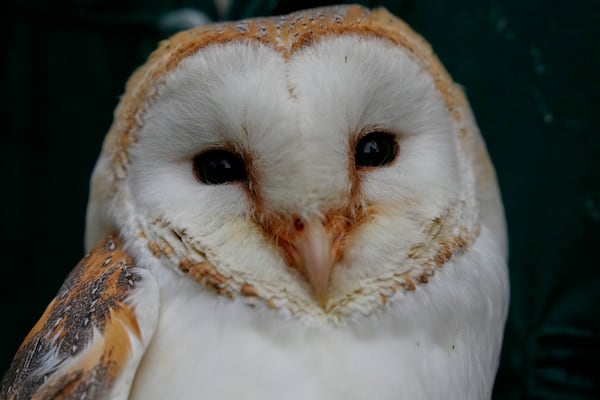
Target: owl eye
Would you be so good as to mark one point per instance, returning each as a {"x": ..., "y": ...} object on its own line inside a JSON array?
[
  {"x": 215, "y": 167},
  {"x": 375, "y": 149}
]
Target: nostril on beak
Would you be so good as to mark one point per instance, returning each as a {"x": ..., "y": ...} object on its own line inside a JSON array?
[{"x": 298, "y": 224}]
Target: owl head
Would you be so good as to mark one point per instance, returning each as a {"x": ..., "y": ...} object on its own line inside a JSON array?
[{"x": 321, "y": 162}]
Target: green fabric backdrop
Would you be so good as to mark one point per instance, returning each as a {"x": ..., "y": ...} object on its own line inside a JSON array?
[{"x": 530, "y": 70}]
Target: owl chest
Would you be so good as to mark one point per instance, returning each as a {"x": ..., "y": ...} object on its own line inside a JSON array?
[{"x": 207, "y": 347}]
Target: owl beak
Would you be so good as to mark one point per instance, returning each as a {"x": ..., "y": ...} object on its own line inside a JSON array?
[{"x": 315, "y": 249}]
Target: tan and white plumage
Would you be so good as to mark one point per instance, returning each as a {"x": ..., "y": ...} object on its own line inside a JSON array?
[
  {"x": 90, "y": 337},
  {"x": 362, "y": 282}
]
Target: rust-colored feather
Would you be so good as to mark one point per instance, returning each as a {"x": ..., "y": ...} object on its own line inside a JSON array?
[{"x": 83, "y": 340}]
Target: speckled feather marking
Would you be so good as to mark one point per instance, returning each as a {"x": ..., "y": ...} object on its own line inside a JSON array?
[
  {"x": 88, "y": 322},
  {"x": 286, "y": 34}
]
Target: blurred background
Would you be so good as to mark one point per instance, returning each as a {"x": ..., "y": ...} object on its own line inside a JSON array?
[{"x": 530, "y": 69}]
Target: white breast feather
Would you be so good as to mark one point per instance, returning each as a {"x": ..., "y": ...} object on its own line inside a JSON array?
[{"x": 437, "y": 342}]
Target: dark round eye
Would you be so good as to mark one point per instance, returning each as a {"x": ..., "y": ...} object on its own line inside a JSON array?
[
  {"x": 375, "y": 149},
  {"x": 215, "y": 167}
]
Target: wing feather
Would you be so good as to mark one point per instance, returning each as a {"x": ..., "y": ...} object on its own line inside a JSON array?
[{"x": 91, "y": 338}]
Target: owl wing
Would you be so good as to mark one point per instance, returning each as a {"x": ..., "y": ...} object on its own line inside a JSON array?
[{"x": 92, "y": 336}]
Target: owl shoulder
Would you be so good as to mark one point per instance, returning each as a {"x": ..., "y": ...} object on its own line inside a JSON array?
[{"x": 91, "y": 338}]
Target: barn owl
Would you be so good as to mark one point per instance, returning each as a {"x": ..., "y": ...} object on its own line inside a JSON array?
[{"x": 297, "y": 207}]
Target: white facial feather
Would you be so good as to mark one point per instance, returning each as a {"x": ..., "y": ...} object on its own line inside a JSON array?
[{"x": 297, "y": 119}]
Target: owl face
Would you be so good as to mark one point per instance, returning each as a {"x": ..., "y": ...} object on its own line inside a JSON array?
[{"x": 315, "y": 178}]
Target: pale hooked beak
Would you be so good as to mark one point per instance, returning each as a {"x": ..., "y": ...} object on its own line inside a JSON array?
[{"x": 315, "y": 249}]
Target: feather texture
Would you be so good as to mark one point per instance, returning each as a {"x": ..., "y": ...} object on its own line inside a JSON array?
[
  {"x": 406, "y": 293},
  {"x": 93, "y": 334}
]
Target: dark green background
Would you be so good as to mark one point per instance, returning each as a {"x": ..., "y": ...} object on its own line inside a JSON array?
[{"x": 530, "y": 70}]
